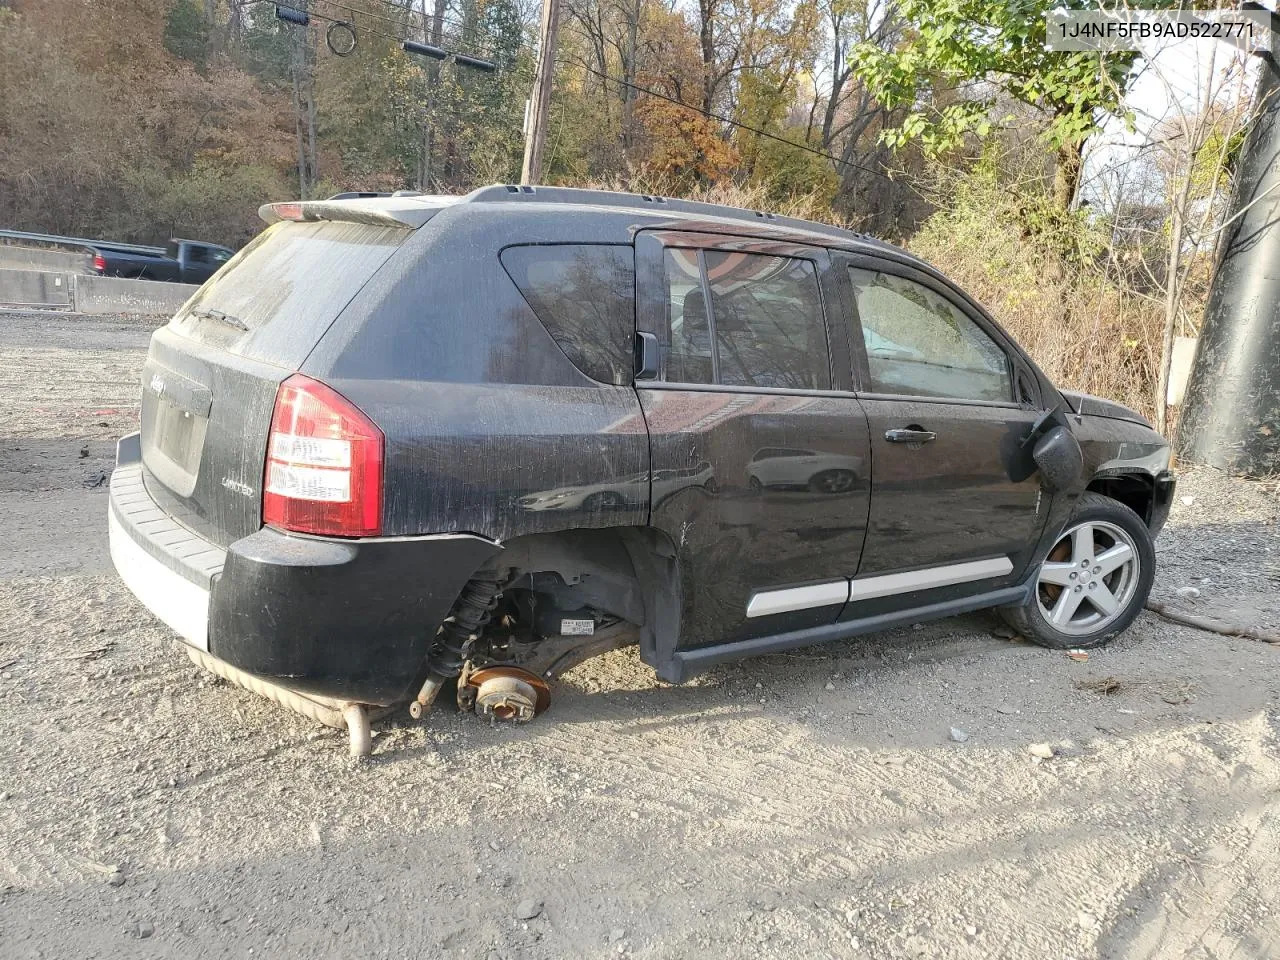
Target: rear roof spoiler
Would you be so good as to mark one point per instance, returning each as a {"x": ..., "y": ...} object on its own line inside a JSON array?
[{"x": 405, "y": 211}]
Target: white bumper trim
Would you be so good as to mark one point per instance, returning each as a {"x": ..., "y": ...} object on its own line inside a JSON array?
[{"x": 173, "y": 598}]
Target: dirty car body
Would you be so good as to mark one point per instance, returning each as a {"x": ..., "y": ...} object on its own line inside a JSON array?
[{"x": 399, "y": 438}]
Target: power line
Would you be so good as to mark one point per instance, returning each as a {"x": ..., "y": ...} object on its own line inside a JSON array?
[
  {"x": 714, "y": 116},
  {"x": 460, "y": 26},
  {"x": 399, "y": 41},
  {"x": 733, "y": 123},
  {"x": 647, "y": 91}
]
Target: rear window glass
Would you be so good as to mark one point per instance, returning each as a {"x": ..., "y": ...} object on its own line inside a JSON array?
[
  {"x": 584, "y": 294},
  {"x": 276, "y": 298}
]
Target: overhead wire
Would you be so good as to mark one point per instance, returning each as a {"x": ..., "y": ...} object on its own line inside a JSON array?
[
  {"x": 460, "y": 25},
  {"x": 723, "y": 119},
  {"x": 647, "y": 91}
]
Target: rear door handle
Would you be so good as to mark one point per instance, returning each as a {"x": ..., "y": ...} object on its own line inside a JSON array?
[
  {"x": 646, "y": 364},
  {"x": 912, "y": 434}
]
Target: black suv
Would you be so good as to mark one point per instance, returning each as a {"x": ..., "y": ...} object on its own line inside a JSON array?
[{"x": 401, "y": 442}]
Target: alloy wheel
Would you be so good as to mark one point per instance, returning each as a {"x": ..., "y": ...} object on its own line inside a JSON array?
[{"x": 1089, "y": 578}]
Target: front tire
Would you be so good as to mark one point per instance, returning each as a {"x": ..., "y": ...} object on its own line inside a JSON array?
[{"x": 1093, "y": 583}]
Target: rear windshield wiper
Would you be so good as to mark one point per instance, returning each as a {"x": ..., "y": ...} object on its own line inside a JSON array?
[{"x": 220, "y": 317}]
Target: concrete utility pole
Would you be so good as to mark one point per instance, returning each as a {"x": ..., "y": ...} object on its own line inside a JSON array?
[
  {"x": 540, "y": 105},
  {"x": 1231, "y": 415}
]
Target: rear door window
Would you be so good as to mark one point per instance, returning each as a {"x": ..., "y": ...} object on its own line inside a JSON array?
[
  {"x": 768, "y": 321},
  {"x": 584, "y": 294},
  {"x": 275, "y": 299},
  {"x": 690, "y": 358},
  {"x": 921, "y": 344},
  {"x": 765, "y": 324}
]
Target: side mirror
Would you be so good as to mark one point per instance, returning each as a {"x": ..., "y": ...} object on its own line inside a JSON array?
[{"x": 1057, "y": 455}]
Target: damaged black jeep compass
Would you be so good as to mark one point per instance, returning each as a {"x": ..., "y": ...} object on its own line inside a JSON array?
[{"x": 409, "y": 441}]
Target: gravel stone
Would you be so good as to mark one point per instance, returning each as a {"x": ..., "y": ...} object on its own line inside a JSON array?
[
  {"x": 737, "y": 797},
  {"x": 528, "y": 909}
]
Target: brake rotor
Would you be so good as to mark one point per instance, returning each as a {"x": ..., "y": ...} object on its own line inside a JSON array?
[{"x": 503, "y": 693}]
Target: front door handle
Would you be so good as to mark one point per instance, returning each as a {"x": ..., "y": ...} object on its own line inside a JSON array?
[{"x": 911, "y": 434}]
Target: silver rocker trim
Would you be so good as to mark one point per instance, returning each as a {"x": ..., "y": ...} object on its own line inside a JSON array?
[
  {"x": 764, "y": 603},
  {"x": 892, "y": 583}
]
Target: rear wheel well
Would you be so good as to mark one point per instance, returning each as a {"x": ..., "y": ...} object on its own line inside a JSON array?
[
  {"x": 613, "y": 575},
  {"x": 1135, "y": 491}
]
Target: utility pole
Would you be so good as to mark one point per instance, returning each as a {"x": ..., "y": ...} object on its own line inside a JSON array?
[
  {"x": 1231, "y": 414},
  {"x": 540, "y": 103}
]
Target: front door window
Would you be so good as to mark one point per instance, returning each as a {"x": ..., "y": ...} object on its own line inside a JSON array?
[{"x": 920, "y": 344}]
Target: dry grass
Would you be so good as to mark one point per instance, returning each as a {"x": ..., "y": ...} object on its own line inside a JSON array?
[{"x": 1103, "y": 686}]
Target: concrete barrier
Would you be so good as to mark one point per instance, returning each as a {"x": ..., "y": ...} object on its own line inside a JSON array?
[
  {"x": 35, "y": 288},
  {"x": 89, "y": 293},
  {"x": 41, "y": 258},
  {"x": 94, "y": 294}
]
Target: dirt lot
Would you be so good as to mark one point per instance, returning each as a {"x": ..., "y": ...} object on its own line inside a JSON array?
[{"x": 812, "y": 805}]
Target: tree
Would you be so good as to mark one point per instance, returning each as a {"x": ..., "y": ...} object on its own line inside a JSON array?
[
  {"x": 186, "y": 33},
  {"x": 1199, "y": 144},
  {"x": 845, "y": 118},
  {"x": 962, "y": 55}
]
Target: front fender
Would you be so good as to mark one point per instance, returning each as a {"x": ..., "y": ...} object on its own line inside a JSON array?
[
  {"x": 1120, "y": 447},
  {"x": 1123, "y": 448}
]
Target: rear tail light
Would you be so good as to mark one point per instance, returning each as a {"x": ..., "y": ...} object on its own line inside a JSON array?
[
  {"x": 324, "y": 463},
  {"x": 99, "y": 262}
]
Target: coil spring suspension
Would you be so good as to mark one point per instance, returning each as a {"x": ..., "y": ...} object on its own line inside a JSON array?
[
  {"x": 471, "y": 612},
  {"x": 453, "y": 641}
]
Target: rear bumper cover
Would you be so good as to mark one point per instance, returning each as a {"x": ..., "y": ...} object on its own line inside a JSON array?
[{"x": 347, "y": 619}]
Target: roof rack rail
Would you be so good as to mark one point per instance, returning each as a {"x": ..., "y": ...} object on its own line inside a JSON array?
[{"x": 507, "y": 192}]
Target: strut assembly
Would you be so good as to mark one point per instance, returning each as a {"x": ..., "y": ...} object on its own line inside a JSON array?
[
  {"x": 456, "y": 636},
  {"x": 496, "y": 691}
]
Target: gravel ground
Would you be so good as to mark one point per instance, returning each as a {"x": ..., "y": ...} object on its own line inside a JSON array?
[{"x": 810, "y": 805}]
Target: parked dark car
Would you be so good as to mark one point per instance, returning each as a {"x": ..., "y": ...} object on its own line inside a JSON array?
[
  {"x": 182, "y": 261},
  {"x": 409, "y": 441}
]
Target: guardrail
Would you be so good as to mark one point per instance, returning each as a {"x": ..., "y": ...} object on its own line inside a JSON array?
[{"x": 52, "y": 240}]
